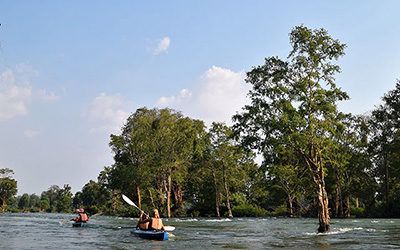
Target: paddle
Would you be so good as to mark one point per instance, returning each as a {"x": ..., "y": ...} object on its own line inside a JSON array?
[{"x": 127, "y": 200}]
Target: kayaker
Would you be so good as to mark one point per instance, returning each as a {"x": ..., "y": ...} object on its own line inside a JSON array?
[
  {"x": 82, "y": 216},
  {"x": 155, "y": 221},
  {"x": 143, "y": 222}
]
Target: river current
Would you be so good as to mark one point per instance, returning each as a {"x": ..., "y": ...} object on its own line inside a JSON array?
[{"x": 54, "y": 231}]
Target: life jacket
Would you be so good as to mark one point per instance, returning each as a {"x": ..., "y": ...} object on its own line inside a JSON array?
[
  {"x": 83, "y": 217},
  {"x": 144, "y": 225},
  {"x": 156, "y": 224}
]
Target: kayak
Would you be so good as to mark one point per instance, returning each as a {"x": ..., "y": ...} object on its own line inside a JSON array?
[
  {"x": 150, "y": 234},
  {"x": 79, "y": 224}
]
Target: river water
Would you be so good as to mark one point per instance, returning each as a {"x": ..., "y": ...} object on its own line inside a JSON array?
[{"x": 54, "y": 231}]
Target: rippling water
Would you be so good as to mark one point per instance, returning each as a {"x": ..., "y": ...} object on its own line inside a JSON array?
[{"x": 54, "y": 231}]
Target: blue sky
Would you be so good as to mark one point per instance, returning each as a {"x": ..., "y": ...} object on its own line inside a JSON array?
[{"x": 72, "y": 71}]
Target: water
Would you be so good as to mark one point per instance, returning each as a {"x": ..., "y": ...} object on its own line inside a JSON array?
[{"x": 54, "y": 231}]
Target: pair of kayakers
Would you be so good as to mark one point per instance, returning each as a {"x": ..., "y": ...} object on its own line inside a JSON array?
[
  {"x": 153, "y": 223},
  {"x": 82, "y": 216}
]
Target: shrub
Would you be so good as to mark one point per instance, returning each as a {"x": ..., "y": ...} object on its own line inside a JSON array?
[
  {"x": 358, "y": 212},
  {"x": 280, "y": 211},
  {"x": 248, "y": 210}
]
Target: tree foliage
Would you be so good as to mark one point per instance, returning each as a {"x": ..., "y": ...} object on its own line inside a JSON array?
[
  {"x": 293, "y": 107},
  {"x": 8, "y": 187}
]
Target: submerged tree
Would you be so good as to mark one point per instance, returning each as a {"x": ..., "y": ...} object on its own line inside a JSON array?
[{"x": 293, "y": 107}]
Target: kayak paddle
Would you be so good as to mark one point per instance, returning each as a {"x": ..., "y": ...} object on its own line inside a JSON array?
[{"x": 127, "y": 200}]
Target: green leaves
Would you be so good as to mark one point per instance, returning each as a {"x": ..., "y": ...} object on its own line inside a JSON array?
[{"x": 8, "y": 187}]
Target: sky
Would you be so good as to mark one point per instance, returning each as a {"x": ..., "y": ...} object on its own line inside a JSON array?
[{"x": 71, "y": 72}]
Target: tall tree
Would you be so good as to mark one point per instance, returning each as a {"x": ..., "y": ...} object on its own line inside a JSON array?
[
  {"x": 293, "y": 106},
  {"x": 133, "y": 150},
  {"x": 229, "y": 164},
  {"x": 153, "y": 153}
]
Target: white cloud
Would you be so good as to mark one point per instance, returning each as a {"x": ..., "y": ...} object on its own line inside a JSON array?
[
  {"x": 219, "y": 94},
  {"x": 108, "y": 112},
  {"x": 30, "y": 133},
  {"x": 47, "y": 96},
  {"x": 15, "y": 93},
  {"x": 162, "y": 46},
  {"x": 166, "y": 100}
]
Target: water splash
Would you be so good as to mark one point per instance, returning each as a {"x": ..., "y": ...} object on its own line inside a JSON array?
[{"x": 186, "y": 220}]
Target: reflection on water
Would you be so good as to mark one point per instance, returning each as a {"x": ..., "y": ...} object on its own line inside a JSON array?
[{"x": 54, "y": 231}]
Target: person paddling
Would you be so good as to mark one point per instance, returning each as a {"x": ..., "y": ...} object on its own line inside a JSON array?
[
  {"x": 143, "y": 222},
  {"x": 156, "y": 222},
  {"x": 82, "y": 216}
]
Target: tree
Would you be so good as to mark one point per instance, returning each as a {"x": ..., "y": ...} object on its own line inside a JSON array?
[
  {"x": 384, "y": 144},
  {"x": 64, "y": 199},
  {"x": 290, "y": 178},
  {"x": 152, "y": 155},
  {"x": 229, "y": 164},
  {"x": 132, "y": 154},
  {"x": 34, "y": 202},
  {"x": 293, "y": 107},
  {"x": 49, "y": 198},
  {"x": 8, "y": 187},
  {"x": 23, "y": 202},
  {"x": 57, "y": 199},
  {"x": 93, "y": 197}
]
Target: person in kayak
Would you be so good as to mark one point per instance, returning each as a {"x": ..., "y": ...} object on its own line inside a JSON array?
[
  {"x": 82, "y": 216},
  {"x": 155, "y": 221},
  {"x": 143, "y": 222}
]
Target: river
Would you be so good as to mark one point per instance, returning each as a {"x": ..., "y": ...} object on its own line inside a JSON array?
[{"x": 54, "y": 231}]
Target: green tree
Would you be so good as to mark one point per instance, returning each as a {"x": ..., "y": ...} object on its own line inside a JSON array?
[
  {"x": 293, "y": 107},
  {"x": 49, "y": 198},
  {"x": 8, "y": 187},
  {"x": 44, "y": 204},
  {"x": 34, "y": 202},
  {"x": 23, "y": 202},
  {"x": 153, "y": 154},
  {"x": 229, "y": 165},
  {"x": 385, "y": 145},
  {"x": 64, "y": 199},
  {"x": 133, "y": 150},
  {"x": 290, "y": 178},
  {"x": 93, "y": 197}
]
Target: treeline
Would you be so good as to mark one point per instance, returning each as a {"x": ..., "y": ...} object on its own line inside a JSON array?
[
  {"x": 55, "y": 199},
  {"x": 317, "y": 161}
]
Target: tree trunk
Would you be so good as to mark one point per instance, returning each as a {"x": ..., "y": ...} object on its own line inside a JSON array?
[
  {"x": 161, "y": 193},
  {"x": 228, "y": 203},
  {"x": 2, "y": 205},
  {"x": 178, "y": 196},
  {"x": 290, "y": 204},
  {"x": 357, "y": 203},
  {"x": 386, "y": 178},
  {"x": 151, "y": 198},
  {"x": 339, "y": 212},
  {"x": 317, "y": 170},
  {"x": 216, "y": 194},
  {"x": 323, "y": 209},
  {"x": 139, "y": 197},
  {"x": 337, "y": 201},
  {"x": 169, "y": 196},
  {"x": 346, "y": 211}
]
